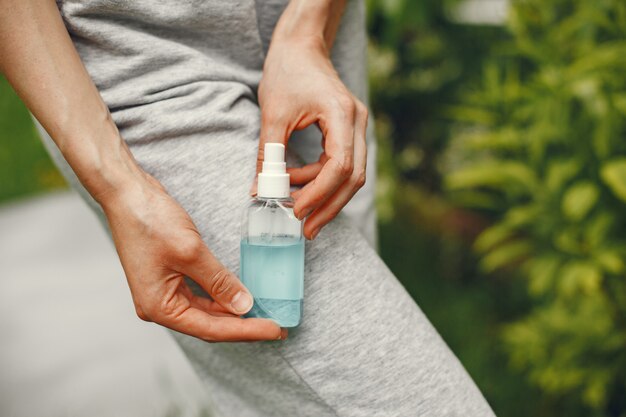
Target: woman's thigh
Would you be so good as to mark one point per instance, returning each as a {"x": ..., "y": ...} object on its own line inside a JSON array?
[{"x": 364, "y": 347}]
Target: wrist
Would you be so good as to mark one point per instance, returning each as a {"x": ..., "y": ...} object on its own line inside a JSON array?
[
  {"x": 112, "y": 187},
  {"x": 309, "y": 23},
  {"x": 111, "y": 172},
  {"x": 288, "y": 46}
]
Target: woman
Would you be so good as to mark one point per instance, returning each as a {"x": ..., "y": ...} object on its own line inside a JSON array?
[{"x": 156, "y": 110}]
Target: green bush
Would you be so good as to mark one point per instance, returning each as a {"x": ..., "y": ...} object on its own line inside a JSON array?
[
  {"x": 544, "y": 139},
  {"x": 420, "y": 60}
]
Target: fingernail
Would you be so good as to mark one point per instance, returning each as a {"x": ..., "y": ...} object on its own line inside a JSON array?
[
  {"x": 314, "y": 234},
  {"x": 253, "y": 189},
  {"x": 242, "y": 302},
  {"x": 283, "y": 334}
]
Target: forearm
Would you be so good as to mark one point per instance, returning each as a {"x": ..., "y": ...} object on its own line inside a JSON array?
[
  {"x": 305, "y": 20},
  {"x": 41, "y": 63}
]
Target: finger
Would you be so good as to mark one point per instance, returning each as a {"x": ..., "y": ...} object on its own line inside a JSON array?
[
  {"x": 203, "y": 303},
  {"x": 340, "y": 150},
  {"x": 197, "y": 323},
  {"x": 305, "y": 174},
  {"x": 321, "y": 216},
  {"x": 274, "y": 129},
  {"x": 209, "y": 306},
  {"x": 255, "y": 184},
  {"x": 297, "y": 193},
  {"x": 221, "y": 284},
  {"x": 329, "y": 210}
]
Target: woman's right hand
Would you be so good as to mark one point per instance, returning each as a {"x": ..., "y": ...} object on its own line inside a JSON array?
[{"x": 159, "y": 245}]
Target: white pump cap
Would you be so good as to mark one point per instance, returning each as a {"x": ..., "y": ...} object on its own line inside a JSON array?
[{"x": 273, "y": 179}]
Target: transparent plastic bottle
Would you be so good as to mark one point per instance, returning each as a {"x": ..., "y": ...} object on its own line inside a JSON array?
[{"x": 272, "y": 246}]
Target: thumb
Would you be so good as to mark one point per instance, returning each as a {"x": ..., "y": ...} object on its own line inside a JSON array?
[{"x": 221, "y": 284}]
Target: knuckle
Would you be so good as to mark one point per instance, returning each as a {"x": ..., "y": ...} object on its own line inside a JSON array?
[
  {"x": 172, "y": 307},
  {"x": 345, "y": 166},
  {"x": 141, "y": 313},
  {"x": 189, "y": 251},
  {"x": 347, "y": 105},
  {"x": 330, "y": 214},
  {"x": 221, "y": 282},
  {"x": 151, "y": 311},
  {"x": 316, "y": 200},
  {"x": 273, "y": 117},
  {"x": 359, "y": 179},
  {"x": 362, "y": 108}
]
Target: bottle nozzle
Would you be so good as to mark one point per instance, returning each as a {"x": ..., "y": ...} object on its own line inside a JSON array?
[
  {"x": 273, "y": 179},
  {"x": 274, "y": 152},
  {"x": 274, "y": 158}
]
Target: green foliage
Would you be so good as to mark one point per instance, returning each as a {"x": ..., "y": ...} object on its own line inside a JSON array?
[
  {"x": 25, "y": 167},
  {"x": 544, "y": 133},
  {"x": 613, "y": 173},
  {"x": 418, "y": 59}
]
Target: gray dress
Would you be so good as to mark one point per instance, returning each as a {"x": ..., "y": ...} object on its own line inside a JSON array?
[{"x": 180, "y": 80}]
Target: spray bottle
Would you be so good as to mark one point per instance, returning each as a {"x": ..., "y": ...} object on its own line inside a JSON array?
[{"x": 272, "y": 246}]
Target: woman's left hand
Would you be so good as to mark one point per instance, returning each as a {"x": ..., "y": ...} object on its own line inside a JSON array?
[{"x": 300, "y": 87}]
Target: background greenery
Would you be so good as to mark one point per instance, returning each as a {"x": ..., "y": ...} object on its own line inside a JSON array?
[
  {"x": 502, "y": 191},
  {"x": 25, "y": 167}
]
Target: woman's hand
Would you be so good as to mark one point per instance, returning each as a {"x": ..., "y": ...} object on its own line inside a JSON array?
[
  {"x": 156, "y": 240},
  {"x": 158, "y": 246},
  {"x": 300, "y": 87}
]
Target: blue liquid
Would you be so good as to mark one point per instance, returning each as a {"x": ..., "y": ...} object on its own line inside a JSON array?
[{"x": 274, "y": 274}]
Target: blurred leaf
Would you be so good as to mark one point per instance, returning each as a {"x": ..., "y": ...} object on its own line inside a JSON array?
[
  {"x": 613, "y": 174},
  {"x": 579, "y": 199},
  {"x": 381, "y": 62},
  {"x": 560, "y": 171},
  {"x": 542, "y": 272},
  {"x": 619, "y": 100},
  {"x": 597, "y": 228},
  {"x": 410, "y": 157},
  {"x": 492, "y": 236},
  {"x": 568, "y": 240},
  {"x": 506, "y": 255},
  {"x": 610, "y": 261},
  {"x": 493, "y": 174},
  {"x": 504, "y": 139},
  {"x": 471, "y": 114},
  {"x": 521, "y": 215},
  {"x": 607, "y": 55},
  {"x": 595, "y": 392},
  {"x": 579, "y": 276}
]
